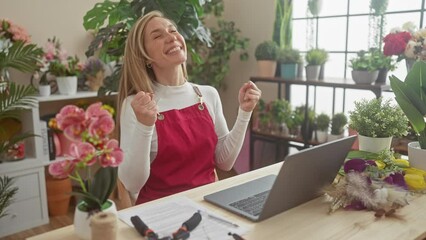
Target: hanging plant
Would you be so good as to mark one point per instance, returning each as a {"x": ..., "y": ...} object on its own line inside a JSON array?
[
  {"x": 376, "y": 22},
  {"x": 378, "y": 6},
  {"x": 314, "y": 7},
  {"x": 283, "y": 26}
]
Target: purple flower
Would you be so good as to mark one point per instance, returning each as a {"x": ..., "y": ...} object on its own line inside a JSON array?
[
  {"x": 357, "y": 165},
  {"x": 396, "y": 179},
  {"x": 355, "y": 205}
]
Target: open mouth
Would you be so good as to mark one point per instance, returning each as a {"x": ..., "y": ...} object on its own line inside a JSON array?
[{"x": 173, "y": 50}]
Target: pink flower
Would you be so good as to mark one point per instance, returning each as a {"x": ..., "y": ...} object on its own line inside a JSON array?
[
  {"x": 113, "y": 154},
  {"x": 61, "y": 169},
  {"x": 70, "y": 115},
  {"x": 84, "y": 152}
]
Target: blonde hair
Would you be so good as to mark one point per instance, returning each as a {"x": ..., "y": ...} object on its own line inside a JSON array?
[{"x": 135, "y": 74}]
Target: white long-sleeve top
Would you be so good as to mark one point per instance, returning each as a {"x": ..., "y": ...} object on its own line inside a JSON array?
[{"x": 139, "y": 142}]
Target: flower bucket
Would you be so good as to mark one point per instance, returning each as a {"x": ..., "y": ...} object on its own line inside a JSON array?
[
  {"x": 82, "y": 220},
  {"x": 67, "y": 85},
  {"x": 58, "y": 195},
  {"x": 374, "y": 145},
  {"x": 416, "y": 156}
]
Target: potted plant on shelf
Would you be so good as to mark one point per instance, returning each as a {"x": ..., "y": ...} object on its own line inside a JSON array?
[
  {"x": 364, "y": 68},
  {"x": 266, "y": 54},
  {"x": 93, "y": 71},
  {"x": 410, "y": 96},
  {"x": 322, "y": 126},
  {"x": 288, "y": 59},
  {"x": 314, "y": 59},
  {"x": 384, "y": 64},
  {"x": 376, "y": 122},
  {"x": 281, "y": 112},
  {"x": 338, "y": 123},
  {"x": 65, "y": 68}
]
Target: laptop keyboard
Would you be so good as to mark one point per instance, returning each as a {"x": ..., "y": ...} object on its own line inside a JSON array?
[{"x": 252, "y": 205}]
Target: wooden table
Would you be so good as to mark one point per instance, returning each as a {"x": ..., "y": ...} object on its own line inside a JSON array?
[{"x": 307, "y": 221}]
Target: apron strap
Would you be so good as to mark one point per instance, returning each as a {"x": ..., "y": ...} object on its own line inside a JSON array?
[{"x": 200, "y": 97}]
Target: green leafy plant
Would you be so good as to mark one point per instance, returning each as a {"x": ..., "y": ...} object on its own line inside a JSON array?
[
  {"x": 378, "y": 118},
  {"x": 12, "y": 102},
  {"x": 267, "y": 50},
  {"x": 213, "y": 64},
  {"x": 283, "y": 24},
  {"x": 411, "y": 97},
  {"x": 287, "y": 56},
  {"x": 7, "y": 192},
  {"x": 382, "y": 61},
  {"x": 323, "y": 122},
  {"x": 338, "y": 122},
  {"x": 365, "y": 61},
  {"x": 316, "y": 57},
  {"x": 281, "y": 110},
  {"x": 111, "y": 21}
]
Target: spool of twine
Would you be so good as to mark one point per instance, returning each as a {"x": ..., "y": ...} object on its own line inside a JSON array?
[{"x": 104, "y": 226}]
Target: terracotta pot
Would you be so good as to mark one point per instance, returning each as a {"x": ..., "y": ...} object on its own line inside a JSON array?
[{"x": 58, "y": 195}]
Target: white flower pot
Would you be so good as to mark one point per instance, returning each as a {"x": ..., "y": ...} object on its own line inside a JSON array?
[
  {"x": 312, "y": 72},
  {"x": 321, "y": 136},
  {"x": 82, "y": 221},
  {"x": 374, "y": 145},
  {"x": 416, "y": 156},
  {"x": 44, "y": 90},
  {"x": 332, "y": 137},
  {"x": 67, "y": 85}
]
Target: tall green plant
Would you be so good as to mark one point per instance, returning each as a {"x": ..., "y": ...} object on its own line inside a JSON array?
[
  {"x": 283, "y": 25},
  {"x": 213, "y": 64},
  {"x": 111, "y": 22}
]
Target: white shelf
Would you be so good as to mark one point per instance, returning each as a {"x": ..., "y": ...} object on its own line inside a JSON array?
[{"x": 78, "y": 95}]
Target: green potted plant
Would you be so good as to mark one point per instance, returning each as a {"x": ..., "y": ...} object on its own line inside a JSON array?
[
  {"x": 365, "y": 68},
  {"x": 266, "y": 54},
  {"x": 338, "y": 123},
  {"x": 410, "y": 96},
  {"x": 376, "y": 122},
  {"x": 322, "y": 126},
  {"x": 384, "y": 64},
  {"x": 314, "y": 59},
  {"x": 281, "y": 112},
  {"x": 306, "y": 125},
  {"x": 288, "y": 59}
]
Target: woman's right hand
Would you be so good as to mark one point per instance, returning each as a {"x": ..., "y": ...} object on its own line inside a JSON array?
[{"x": 145, "y": 108}]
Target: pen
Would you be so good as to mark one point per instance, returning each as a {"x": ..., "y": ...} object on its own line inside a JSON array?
[
  {"x": 235, "y": 236},
  {"x": 222, "y": 220}
]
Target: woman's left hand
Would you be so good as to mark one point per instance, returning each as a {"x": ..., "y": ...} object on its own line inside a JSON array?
[{"x": 248, "y": 96}]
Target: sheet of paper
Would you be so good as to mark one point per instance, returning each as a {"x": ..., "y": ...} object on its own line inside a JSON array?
[{"x": 166, "y": 217}]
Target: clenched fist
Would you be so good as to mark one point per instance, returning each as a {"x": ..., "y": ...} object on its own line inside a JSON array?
[
  {"x": 145, "y": 108},
  {"x": 248, "y": 96}
]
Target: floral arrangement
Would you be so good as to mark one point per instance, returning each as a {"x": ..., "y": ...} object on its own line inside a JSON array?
[
  {"x": 93, "y": 66},
  {"x": 397, "y": 42},
  {"x": 378, "y": 118},
  {"x": 416, "y": 47},
  {"x": 15, "y": 48},
  {"x": 377, "y": 182},
  {"x": 90, "y": 131},
  {"x": 57, "y": 62}
]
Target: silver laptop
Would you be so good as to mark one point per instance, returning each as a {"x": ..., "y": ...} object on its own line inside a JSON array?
[{"x": 300, "y": 179}]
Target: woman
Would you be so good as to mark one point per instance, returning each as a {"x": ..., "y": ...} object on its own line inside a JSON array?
[{"x": 173, "y": 132}]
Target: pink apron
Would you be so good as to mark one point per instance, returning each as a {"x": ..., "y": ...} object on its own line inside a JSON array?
[{"x": 186, "y": 150}]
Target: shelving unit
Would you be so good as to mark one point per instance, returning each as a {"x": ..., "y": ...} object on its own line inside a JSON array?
[
  {"x": 29, "y": 208},
  {"x": 302, "y": 142}
]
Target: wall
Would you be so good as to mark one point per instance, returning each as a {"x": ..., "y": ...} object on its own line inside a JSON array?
[
  {"x": 64, "y": 19},
  {"x": 44, "y": 19},
  {"x": 255, "y": 20}
]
